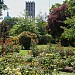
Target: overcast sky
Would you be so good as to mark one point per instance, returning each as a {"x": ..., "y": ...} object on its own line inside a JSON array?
[{"x": 17, "y": 6}]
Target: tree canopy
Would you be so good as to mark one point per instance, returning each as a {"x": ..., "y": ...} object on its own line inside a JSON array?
[
  {"x": 58, "y": 14},
  {"x": 2, "y": 6},
  {"x": 55, "y": 20}
]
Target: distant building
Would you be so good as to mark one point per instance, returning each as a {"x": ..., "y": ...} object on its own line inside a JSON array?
[
  {"x": 7, "y": 17},
  {"x": 30, "y": 8}
]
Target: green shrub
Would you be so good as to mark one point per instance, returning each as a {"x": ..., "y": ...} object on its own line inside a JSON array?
[
  {"x": 25, "y": 39},
  {"x": 11, "y": 45},
  {"x": 44, "y": 39},
  {"x": 35, "y": 50},
  {"x": 29, "y": 58}
]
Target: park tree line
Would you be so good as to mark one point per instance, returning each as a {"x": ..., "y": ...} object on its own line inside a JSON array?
[
  {"x": 61, "y": 22},
  {"x": 60, "y": 25}
]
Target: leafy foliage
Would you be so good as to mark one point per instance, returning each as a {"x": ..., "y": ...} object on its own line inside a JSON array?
[
  {"x": 55, "y": 20},
  {"x": 69, "y": 33},
  {"x": 55, "y": 6},
  {"x": 2, "y": 6},
  {"x": 23, "y": 25},
  {"x": 26, "y": 24},
  {"x": 49, "y": 60},
  {"x": 11, "y": 45},
  {"x": 25, "y": 39},
  {"x": 71, "y": 7},
  {"x": 11, "y": 21},
  {"x": 43, "y": 37},
  {"x": 41, "y": 25}
]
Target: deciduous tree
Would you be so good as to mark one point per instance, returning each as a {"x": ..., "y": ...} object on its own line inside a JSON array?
[{"x": 55, "y": 20}]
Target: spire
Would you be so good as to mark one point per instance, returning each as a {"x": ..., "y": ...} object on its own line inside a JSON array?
[
  {"x": 7, "y": 16},
  {"x": 7, "y": 13}
]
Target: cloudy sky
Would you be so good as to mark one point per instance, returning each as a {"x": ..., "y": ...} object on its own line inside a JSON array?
[{"x": 17, "y": 6}]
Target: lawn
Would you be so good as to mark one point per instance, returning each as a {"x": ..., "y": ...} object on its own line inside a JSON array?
[{"x": 25, "y": 52}]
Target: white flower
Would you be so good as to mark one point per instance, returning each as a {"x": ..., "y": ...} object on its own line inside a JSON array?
[
  {"x": 10, "y": 72},
  {"x": 18, "y": 69},
  {"x": 14, "y": 69},
  {"x": 8, "y": 68},
  {"x": 27, "y": 71},
  {"x": 18, "y": 73},
  {"x": 54, "y": 69}
]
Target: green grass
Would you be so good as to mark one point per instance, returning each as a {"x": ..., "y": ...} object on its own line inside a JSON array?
[
  {"x": 25, "y": 52},
  {"x": 42, "y": 46}
]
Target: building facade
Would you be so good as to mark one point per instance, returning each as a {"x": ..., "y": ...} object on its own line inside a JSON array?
[{"x": 30, "y": 8}]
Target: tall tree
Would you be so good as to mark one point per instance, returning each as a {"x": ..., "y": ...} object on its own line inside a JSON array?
[
  {"x": 23, "y": 24},
  {"x": 68, "y": 36},
  {"x": 2, "y": 6},
  {"x": 55, "y": 20},
  {"x": 71, "y": 7},
  {"x": 41, "y": 24},
  {"x": 11, "y": 21}
]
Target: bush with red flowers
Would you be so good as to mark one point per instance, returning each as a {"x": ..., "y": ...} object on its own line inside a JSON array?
[{"x": 11, "y": 45}]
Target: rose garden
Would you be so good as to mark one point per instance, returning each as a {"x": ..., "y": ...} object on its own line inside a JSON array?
[{"x": 42, "y": 47}]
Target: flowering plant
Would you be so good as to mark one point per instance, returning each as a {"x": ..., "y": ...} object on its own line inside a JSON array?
[{"x": 11, "y": 45}]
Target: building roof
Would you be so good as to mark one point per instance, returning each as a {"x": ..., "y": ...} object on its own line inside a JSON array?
[{"x": 6, "y": 17}]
